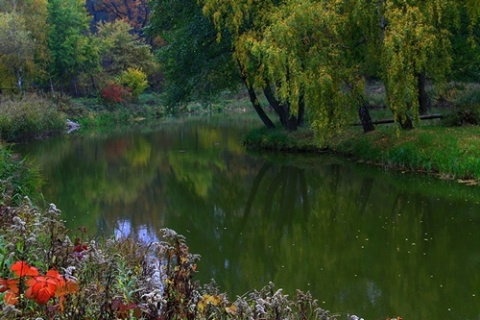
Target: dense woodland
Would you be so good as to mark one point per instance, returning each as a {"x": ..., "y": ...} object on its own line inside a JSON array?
[{"x": 309, "y": 59}]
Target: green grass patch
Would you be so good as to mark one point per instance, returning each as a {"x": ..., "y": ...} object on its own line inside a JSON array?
[
  {"x": 278, "y": 139},
  {"x": 447, "y": 152},
  {"x": 450, "y": 152}
]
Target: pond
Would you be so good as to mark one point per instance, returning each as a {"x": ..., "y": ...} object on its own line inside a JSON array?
[{"x": 362, "y": 240}]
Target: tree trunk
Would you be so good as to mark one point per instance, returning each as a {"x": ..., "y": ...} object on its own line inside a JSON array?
[
  {"x": 423, "y": 101},
  {"x": 19, "y": 79},
  {"x": 292, "y": 123},
  {"x": 365, "y": 119},
  {"x": 254, "y": 100},
  {"x": 51, "y": 86},
  {"x": 301, "y": 112},
  {"x": 279, "y": 109},
  {"x": 288, "y": 120},
  {"x": 406, "y": 123},
  {"x": 93, "y": 84},
  {"x": 75, "y": 88}
]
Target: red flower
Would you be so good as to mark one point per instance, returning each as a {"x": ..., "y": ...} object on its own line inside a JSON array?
[
  {"x": 41, "y": 289},
  {"x": 22, "y": 269},
  {"x": 8, "y": 284},
  {"x": 10, "y": 298},
  {"x": 11, "y": 288}
]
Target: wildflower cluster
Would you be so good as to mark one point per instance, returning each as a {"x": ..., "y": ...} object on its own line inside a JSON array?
[
  {"x": 43, "y": 274},
  {"x": 40, "y": 288}
]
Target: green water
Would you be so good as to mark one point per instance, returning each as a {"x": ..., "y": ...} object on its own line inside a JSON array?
[{"x": 362, "y": 240}]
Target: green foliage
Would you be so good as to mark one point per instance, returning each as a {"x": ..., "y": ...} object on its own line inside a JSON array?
[
  {"x": 464, "y": 107},
  {"x": 121, "y": 50},
  {"x": 280, "y": 140},
  {"x": 463, "y": 115},
  {"x": 447, "y": 152},
  {"x": 196, "y": 67},
  {"x": 417, "y": 39},
  {"x": 72, "y": 50},
  {"x": 17, "y": 179},
  {"x": 134, "y": 79},
  {"x": 28, "y": 34},
  {"x": 308, "y": 51},
  {"x": 17, "y": 47},
  {"x": 451, "y": 153},
  {"x": 27, "y": 117}
]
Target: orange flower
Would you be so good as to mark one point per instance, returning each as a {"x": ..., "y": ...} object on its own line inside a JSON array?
[
  {"x": 41, "y": 289},
  {"x": 54, "y": 275},
  {"x": 10, "y": 298},
  {"x": 10, "y": 286},
  {"x": 69, "y": 286},
  {"x": 22, "y": 269}
]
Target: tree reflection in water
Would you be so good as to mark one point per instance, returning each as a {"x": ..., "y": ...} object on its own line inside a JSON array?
[{"x": 360, "y": 239}]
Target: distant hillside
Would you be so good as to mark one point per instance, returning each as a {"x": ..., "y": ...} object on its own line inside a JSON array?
[{"x": 134, "y": 11}]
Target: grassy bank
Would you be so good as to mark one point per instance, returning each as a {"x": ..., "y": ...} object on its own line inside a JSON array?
[
  {"x": 90, "y": 112},
  {"x": 29, "y": 116},
  {"x": 33, "y": 116},
  {"x": 449, "y": 152}
]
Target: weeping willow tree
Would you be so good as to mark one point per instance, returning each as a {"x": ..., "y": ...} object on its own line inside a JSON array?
[
  {"x": 306, "y": 56},
  {"x": 417, "y": 46},
  {"x": 311, "y": 53},
  {"x": 309, "y": 56}
]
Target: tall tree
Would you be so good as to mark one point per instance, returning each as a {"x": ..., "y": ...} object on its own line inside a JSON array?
[
  {"x": 32, "y": 19},
  {"x": 243, "y": 22},
  {"x": 17, "y": 48},
  {"x": 195, "y": 65},
  {"x": 120, "y": 49},
  {"x": 417, "y": 44},
  {"x": 306, "y": 55},
  {"x": 71, "y": 48}
]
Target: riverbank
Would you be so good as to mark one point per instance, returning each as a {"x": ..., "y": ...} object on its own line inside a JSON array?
[
  {"x": 34, "y": 116},
  {"x": 446, "y": 152}
]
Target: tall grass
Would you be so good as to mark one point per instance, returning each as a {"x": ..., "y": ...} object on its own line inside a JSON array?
[
  {"x": 449, "y": 152},
  {"x": 28, "y": 117},
  {"x": 17, "y": 179}
]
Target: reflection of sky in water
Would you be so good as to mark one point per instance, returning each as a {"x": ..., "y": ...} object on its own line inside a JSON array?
[
  {"x": 142, "y": 233},
  {"x": 145, "y": 236}
]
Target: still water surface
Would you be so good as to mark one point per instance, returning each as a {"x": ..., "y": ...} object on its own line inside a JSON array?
[{"x": 362, "y": 240}]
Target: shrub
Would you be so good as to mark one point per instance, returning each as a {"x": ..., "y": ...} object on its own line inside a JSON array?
[
  {"x": 135, "y": 79},
  {"x": 28, "y": 117},
  {"x": 114, "y": 93},
  {"x": 463, "y": 115}
]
